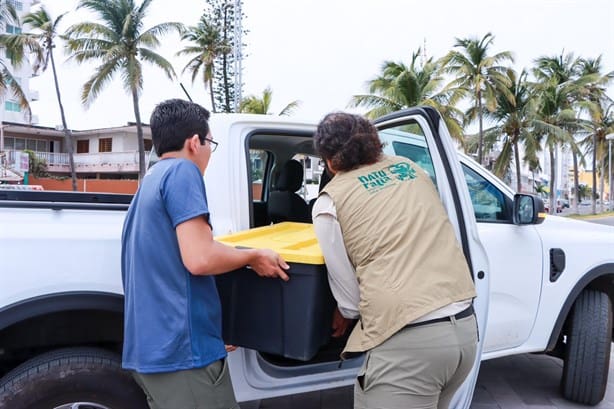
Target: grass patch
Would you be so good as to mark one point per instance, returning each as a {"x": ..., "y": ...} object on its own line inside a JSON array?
[{"x": 590, "y": 216}]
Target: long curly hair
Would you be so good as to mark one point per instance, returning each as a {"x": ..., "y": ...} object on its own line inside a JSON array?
[{"x": 348, "y": 141}]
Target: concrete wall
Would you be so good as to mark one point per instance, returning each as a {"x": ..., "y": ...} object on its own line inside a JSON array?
[{"x": 87, "y": 185}]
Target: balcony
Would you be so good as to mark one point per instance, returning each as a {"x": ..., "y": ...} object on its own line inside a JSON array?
[{"x": 107, "y": 162}]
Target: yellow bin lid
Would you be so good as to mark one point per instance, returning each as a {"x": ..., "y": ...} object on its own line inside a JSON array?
[{"x": 295, "y": 242}]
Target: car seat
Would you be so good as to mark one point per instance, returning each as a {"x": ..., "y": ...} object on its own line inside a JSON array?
[{"x": 284, "y": 204}]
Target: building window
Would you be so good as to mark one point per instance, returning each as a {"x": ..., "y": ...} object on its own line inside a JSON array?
[
  {"x": 105, "y": 145},
  {"x": 17, "y": 5},
  {"x": 83, "y": 146},
  {"x": 13, "y": 29},
  {"x": 12, "y": 106},
  {"x": 42, "y": 146},
  {"x": 9, "y": 143},
  {"x": 148, "y": 145}
]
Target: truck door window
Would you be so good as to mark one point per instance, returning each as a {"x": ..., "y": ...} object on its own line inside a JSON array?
[
  {"x": 409, "y": 141},
  {"x": 489, "y": 204}
]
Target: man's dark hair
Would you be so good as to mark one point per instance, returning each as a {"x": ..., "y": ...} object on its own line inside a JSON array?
[
  {"x": 175, "y": 120},
  {"x": 347, "y": 140}
]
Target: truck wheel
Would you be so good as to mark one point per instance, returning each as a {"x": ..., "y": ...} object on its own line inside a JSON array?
[
  {"x": 83, "y": 378},
  {"x": 587, "y": 352}
]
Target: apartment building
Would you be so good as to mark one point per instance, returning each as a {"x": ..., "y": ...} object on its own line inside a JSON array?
[
  {"x": 107, "y": 153},
  {"x": 10, "y": 111}
]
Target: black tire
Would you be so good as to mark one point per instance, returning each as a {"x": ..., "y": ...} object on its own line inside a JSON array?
[
  {"x": 68, "y": 376},
  {"x": 587, "y": 352}
]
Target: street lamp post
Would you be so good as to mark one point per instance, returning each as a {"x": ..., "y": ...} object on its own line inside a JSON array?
[{"x": 610, "y": 137}]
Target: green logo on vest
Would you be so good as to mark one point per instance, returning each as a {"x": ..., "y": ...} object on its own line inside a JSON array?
[
  {"x": 383, "y": 178},
  {"x": 402, "y": 171}
]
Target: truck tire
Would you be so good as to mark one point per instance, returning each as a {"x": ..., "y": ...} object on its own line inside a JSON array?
[
  {"x": 86, "y": 378},
  {"x": 587, "y": 351}
]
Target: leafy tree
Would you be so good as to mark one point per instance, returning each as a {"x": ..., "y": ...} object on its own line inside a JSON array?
[
  {"x": 480, "y": 75},
  {"x": 400, "y": 86},
  {"x": 223, "y": 14},
  {"x": 120, "y": 44},
  {"x": 207, "y": 44},
  {"x": 41, "y": 42},
  {"x": 256, "y": 105}
]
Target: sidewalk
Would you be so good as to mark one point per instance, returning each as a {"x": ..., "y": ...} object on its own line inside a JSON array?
[{"x": 518, "y": 382}]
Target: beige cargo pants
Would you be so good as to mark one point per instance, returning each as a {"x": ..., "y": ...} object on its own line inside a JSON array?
[
  {"x": 418, "y": 367},
  {"x": 202, "y": 388}
]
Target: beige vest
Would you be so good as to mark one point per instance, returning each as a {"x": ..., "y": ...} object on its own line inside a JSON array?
[{"x": 401, "y": 244}]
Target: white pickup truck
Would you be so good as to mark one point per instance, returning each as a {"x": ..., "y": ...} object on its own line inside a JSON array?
[{"x": 544, "y": 286}]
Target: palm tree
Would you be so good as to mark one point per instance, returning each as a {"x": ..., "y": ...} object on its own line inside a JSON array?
[
  {"x": 515, "y": 116},
  {"x": 597, "y": 103},
  {"x": 41, "y": 42},
  {"x": 478, "y": 74},
  {"x": 207, "y": 45},
  {"x": 554, "y": 119},
  {"x": 400, "y": 86},
  {"x": 8, "y": 83},
  {"x": 557, "y": 70},
  {"x": 255, "y": 105},
  {"x": 120, "y": 44}
]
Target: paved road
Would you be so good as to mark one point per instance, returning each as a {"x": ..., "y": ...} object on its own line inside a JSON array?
[
  {"x": 518, "y": 382},
  {"x": 604, "y": 220}
]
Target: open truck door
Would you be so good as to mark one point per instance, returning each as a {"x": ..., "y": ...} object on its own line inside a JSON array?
[{"x": 284, "y": 331}]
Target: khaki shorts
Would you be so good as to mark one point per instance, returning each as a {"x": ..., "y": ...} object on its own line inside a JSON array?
[
  {"x": 201, "y": 388},
  {"x": 420, "y": 367}
]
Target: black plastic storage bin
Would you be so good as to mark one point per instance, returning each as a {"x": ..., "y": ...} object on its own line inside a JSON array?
[{"x": 292, "y": 319}]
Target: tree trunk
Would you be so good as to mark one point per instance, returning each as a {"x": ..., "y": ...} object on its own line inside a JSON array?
[
  {"x": 139, "y": 134},
  {"x": 552, "y": 179},
  {"x": 517, "y": 160},
  {"x": 211, "y": 93},
  {"x": 481, "y": 134},
  {"x": 576, "y": 183},
  {"x": 70, "y": 145},
  {"x": 594, "y": 190}
]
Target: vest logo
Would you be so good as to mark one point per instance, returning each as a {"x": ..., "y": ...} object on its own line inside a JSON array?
[{"x": 380, "y": 179}]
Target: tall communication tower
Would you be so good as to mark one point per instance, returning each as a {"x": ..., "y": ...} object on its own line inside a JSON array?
[{"x": 238, "y": 55}]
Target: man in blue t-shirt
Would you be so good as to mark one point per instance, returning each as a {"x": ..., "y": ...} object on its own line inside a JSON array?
[{"x": 172, "y": 319}]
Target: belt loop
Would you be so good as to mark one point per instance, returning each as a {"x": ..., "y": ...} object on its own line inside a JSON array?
[{"x": 453, "y": 319}]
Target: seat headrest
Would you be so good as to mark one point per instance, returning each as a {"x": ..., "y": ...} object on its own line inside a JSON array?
[{"x": 290, "y": 177}]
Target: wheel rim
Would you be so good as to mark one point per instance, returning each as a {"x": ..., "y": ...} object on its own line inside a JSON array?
[{"x": 82, "y": 405}]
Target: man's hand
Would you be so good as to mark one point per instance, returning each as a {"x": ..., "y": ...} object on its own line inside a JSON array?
[
  {"x": 268, "y": 263},
  {"x": 340, "y": 324},
  {"x": 230, "y": 348}
]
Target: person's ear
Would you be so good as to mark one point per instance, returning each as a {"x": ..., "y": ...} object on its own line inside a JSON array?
[
  {"x": 329, "y": 167},
  {"x": 192, "y": 143}
]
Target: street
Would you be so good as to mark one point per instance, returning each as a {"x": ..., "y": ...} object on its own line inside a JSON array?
[{"x": 518, "y": 382}]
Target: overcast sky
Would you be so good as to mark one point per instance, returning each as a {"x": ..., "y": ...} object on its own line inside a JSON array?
[{"x": 322, "y": 52}]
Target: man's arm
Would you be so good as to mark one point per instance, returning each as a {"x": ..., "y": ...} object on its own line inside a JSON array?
[{"x": 202, "y": 255}]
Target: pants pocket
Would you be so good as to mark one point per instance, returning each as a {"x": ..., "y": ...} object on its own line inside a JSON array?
[
  {"x": 361, "y": 378},
  {"x": 222, "y": 373}
]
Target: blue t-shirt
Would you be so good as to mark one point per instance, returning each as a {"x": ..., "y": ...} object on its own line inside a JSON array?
[{"x": 172, "y": 319}]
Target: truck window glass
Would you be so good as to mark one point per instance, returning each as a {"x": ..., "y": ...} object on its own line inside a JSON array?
[
  {"x": 489, "y": 204},
  {"x": 408, "y": 141}
]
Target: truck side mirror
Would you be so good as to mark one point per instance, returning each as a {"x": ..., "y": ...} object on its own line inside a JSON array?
[{"x": 528, "y": 209}]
